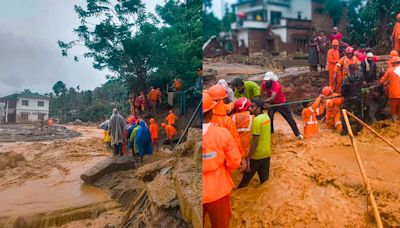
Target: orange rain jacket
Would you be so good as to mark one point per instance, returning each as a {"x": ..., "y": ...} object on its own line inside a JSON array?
[
  {"x": 220, "y": 155},
  {"x": 393, "y": 76},
  {"x": 170, "y": 131},
  {"x": 396, "y": 36},
  {"x": 221, "y": 119},
  {"x": 333, "y": 114},
  {"x": 243, "y": 122},
  {"x": 171, "y": 118},
  {"x": 343, "y": 66},
  {"x": 332, "y": 58},
  {"x": 310, "y": 118},
  {"x": 153, "y": 129}
]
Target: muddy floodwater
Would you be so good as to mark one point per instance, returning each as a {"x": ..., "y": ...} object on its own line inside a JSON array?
[{"x": 42, "y": 177}]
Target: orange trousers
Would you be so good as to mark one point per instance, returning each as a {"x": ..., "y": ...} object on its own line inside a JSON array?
[
  {"x": 219, "y": 212},
  {"x": 333, "y": 121},
  {"x": 339, "y": 79},
  {"x": 331, "y": 81}
]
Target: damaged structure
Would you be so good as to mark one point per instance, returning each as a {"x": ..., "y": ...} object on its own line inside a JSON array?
[{"x": 275, "y": 26}]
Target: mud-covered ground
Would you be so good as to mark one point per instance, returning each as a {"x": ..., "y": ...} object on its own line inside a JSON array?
[
  {"x": 317, "y": 182},
  {"x": 34, "y": 132}
]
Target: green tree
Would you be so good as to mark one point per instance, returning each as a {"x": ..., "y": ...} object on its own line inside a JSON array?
[{"x": 59, "y": 87}]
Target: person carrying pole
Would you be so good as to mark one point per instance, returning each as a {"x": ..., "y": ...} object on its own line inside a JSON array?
[
  {"x": 248, "y": 89},
  {"x": 220, "y": 156},
  {"x": 273, "y": 92},
  {"x": 332, "y": 109}
]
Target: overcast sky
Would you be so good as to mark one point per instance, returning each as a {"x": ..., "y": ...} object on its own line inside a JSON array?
[
  {"x": 29, "y": 55},
  {"x": 217, "y": 6}
]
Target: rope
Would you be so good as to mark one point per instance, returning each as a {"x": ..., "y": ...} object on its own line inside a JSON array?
[{"x": 309, "y": 100}]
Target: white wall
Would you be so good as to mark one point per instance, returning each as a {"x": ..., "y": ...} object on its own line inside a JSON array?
[
  {"x": 282, "y": 32},
  {"x": 243, "y": 35},
  {"x": 301, "y": 5},
  {"x": 33, "y": 109}
]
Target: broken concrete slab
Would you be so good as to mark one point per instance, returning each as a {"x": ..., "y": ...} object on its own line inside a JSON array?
[
  {"x": 107, "y": 166},
  {"x": 162, "y": 192}
]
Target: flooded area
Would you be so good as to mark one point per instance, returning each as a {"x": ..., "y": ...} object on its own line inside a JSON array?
[{"x": 43, "y": 177}]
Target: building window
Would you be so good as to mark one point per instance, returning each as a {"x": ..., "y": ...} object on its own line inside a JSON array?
[
  {"x": 41, "y": 116},
  {"x": 24, "y": 116},
  {"x": 25, "y": 102},
  {"x": 40, "y": 103},
  {"x": 276, "y": 18}
]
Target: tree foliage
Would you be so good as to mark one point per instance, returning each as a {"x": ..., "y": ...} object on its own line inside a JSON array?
[
  {"x": 371, "y": 22},
  {"x": 135, "y": 46},
  {"x": 59, "y": 87}
]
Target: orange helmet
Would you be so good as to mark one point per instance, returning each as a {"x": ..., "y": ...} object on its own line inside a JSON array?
[
  {"x": 163, "y": 125},
  {"x": 242, "y": 104},
  {"x": 326, "y": 91},
  {"x": 330, "y": 103},
  {"x": 349, "y": 49},
  {"x": 335, "y": 42},
  {"x": 398, "y": 16},
  {"x": 394, "y": 53},
  {"x": 208, "y": 103},
  {"x": 217, "y": 92},
  {"x": 338, "y": 101}
]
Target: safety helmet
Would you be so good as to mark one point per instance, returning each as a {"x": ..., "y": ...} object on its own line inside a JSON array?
[
  {"x": 326, "y": 91},
  {"x": 242, "y": 104},
  {"x": 335, "y": 42},
  {"x": 394, "y": 53},
  {"x": 217, "y": 92},
  {"x": 208, "y": 103},
  {"x": 163, "y": 125},
  {"x": 349, "y": 49},
  {"x": 398, "y": 16}
]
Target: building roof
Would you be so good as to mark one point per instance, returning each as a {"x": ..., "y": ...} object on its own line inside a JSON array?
[{"x": 15, "y": 96}]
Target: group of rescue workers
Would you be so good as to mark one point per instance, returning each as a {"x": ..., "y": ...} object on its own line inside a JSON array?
[{"x": 237, "y": 131}]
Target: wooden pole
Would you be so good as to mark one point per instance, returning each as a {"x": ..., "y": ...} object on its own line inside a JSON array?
[
  {"x": 373, "y": 131},
  {"x": 131, "y": 207},
  {"x": 363, "y": 174}
]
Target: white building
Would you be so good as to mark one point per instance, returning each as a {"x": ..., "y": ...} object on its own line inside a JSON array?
[
  {"x": 25, "y": 108},
  {"x": 265, "y": 25}
]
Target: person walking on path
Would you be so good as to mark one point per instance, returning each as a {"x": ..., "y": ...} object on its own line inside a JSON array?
[
  {"x": 391, "y": 79},
  {"x": 332, "y": 59},
  {"x": 171, "y": 118},
  {"x": 313, "y": 51},
  {"x": 116, "y": 127},
  {"x": 258, "y": 159},
  {"x": 396, "y": 34},
  {"x": 220, "y": 156},
  {"x": 154, "y": 133},
  {"x": 323, "y": 49},
  {"x": 143, "y": 141},
  {"x": 273, "y": 93}
]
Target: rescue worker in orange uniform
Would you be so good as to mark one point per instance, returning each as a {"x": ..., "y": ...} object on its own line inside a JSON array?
[
  {"x": 177, "y": 84},
  {"x": 170, "y": 131},
  {"x": 332, "y": 59},
  {"x": 343, "y": 67},
  {"x": 220, "y": 155},
  {"x": 332, "y": 108},
  {"x": 391, "y": 79},
  {"x": 396, "y": 34},
  {"x": 154, "y": 133},
  {"x": 220, "y": 117},
  {"x": 243, "y": 121},
  {"x": 171, "y": 118},
  {"x": 310, "y": 114},
  {"x": 393, "y": 53}
]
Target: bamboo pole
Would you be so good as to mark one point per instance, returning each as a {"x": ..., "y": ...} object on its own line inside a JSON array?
[
  {"x": 131, "y": 207},
  {"x": 373, "y": 131},
  {"x": 363, "y": 174}
]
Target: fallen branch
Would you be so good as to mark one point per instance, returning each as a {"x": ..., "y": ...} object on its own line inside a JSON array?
[
  {"x": 131, "y": 207},
  {"x": 373, "y": 131},
  {"x": 363, "y": 174}
]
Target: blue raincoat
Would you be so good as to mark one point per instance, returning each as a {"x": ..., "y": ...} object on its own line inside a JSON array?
[{"x": 143, "y": 140}]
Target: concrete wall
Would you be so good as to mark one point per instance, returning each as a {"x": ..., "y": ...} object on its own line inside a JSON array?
[
  {"x": 243, "y": 35},
  {"x": 2, "y": 112},
  {"x": 33, "y": 110}
]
